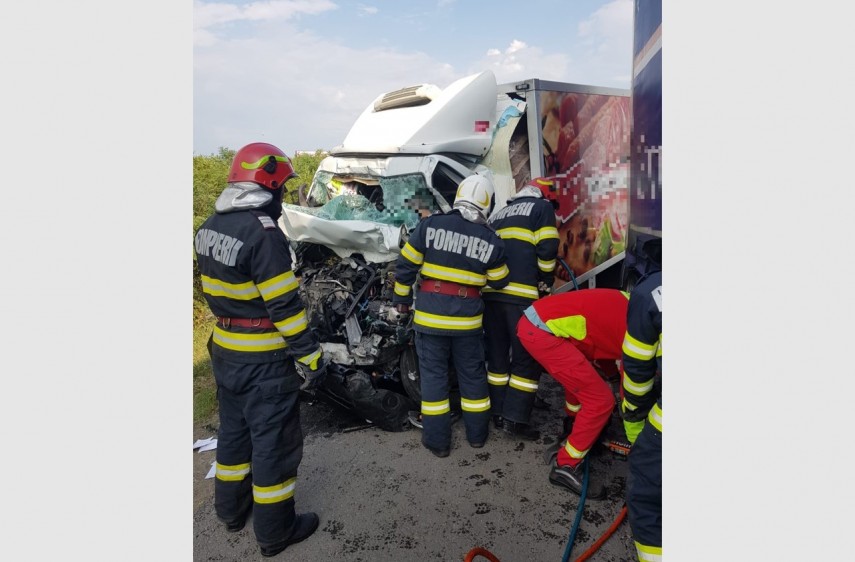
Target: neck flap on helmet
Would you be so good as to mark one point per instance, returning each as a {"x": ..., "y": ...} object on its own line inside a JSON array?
[
  {"x": 470, "y": 212},
  {"x": 241, "y": 196},
  {"x": 527, "y": 191}
]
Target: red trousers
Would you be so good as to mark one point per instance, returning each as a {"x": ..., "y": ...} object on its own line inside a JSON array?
[{"x": 582, "y": 385}]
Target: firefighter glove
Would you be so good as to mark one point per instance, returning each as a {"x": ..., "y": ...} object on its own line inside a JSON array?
[
  {"x": 632, "y": 430},
  {"x": 543, "y": 289},
  {"x": 312, "y": 378}
]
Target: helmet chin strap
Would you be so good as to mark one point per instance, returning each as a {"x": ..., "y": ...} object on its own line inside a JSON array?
[{"x": 274, "y": 208}]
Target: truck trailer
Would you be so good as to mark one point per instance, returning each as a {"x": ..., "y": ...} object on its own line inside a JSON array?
[{"x": 645, "y": 193}]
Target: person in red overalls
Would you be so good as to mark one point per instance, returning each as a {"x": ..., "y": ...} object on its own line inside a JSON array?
[{"x": 564, "y": 333}]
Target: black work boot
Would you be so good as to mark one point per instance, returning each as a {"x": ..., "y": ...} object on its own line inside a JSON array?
[
  {"x": 233, "y": 506},
  {"x": 441, "y": 453},
  {"x": 498, "y": 421},
  {"x": 571, "y": 477},
  {"x": 304, "y": 526},
  {"x": 551, "y": 452},
  {"x": 522, "y": 430},
  {"x": 237, "y": 524}
]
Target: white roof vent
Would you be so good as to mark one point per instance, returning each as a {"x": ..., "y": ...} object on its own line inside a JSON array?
[{"x": 408, "y": 97}]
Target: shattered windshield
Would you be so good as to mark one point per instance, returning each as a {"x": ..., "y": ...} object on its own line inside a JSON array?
[{"x": 398, "y": 200}]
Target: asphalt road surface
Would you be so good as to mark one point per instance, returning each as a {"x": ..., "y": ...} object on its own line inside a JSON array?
[{"x": 381, "y": 496}]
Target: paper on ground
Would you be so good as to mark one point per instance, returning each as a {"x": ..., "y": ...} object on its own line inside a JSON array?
[
  {"x": 202, "y": 442},
  {"x": 208, "y": 444}
]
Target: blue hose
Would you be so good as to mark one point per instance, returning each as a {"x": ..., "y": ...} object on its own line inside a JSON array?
[
  {"x": 569, "y": 272},
  {"x": 572, "y": 538}
]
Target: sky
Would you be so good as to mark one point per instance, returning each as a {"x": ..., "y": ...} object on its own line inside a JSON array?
[{"x": 297, "y": 73}]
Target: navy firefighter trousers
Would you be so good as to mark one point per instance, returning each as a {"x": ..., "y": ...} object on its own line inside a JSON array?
[
  {"x": 644, "y": 489},
  {"x": 467, "y": 355},
  {"x": 512, "y": 373},
  {"x": 259, "y": 446}
]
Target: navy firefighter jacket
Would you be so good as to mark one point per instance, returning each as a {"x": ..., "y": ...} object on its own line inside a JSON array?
[
  {"x": 642, "y": 353},
  {"x": 448, "y": 248},
  {"x": 245, "y": 265},
  {"x": 527, "y": 227}
]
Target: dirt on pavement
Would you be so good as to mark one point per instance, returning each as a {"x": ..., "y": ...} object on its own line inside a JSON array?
[{"x": 381, "y": 496}]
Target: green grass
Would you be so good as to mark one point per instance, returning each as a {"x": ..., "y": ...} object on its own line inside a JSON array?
[{"x": 204, "y": 386}]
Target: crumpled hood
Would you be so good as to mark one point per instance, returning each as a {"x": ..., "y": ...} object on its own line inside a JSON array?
[
  {"x": 377, "y": 242},
  {"x": 240, "y": 196}
]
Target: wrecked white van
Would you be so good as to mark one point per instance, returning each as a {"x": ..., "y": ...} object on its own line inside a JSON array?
[{"x": 402, "y": 160}]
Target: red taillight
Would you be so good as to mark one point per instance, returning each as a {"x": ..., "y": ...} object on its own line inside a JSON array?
[{"x": 482, "y": 126}]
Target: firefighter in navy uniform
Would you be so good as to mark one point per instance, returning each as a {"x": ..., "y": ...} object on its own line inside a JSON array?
[
  {"x": 456, "y": 254},
  {"x": 641, "y": 407},
  {"x": 527, "y": 227},
  {"x": 260, "y": 341}
]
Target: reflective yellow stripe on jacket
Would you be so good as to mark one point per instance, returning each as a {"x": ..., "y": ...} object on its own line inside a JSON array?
[
  {"x": 447, "y": 322},
  {"x": 238, "y": 291},
  {"x": 516, "y": 233},
  {"x": 545, "y": 233},
  {"x": 655, "y": 417},
  {"x": 402, "y": 290},
  {"x": 412, "y": 254},
  {"x": 268, "y": 341},
  {"x": 636, "y": 388},
  {"x": 278, "y": 285},
  {"x": 293, "y": 325},
  {"x": 498, "y": 273},
  {"x": 311, "y": 360},
  {"x": 545, "y": 265},
  {"x": 443, "y": 273},
  {"x": 526, "y": 235},
  {"x": 638, "y": 349},
  {"x": 516, "y": 289}
]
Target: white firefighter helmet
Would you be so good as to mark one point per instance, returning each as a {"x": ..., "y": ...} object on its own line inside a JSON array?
[{"x": 475, "y": 193}]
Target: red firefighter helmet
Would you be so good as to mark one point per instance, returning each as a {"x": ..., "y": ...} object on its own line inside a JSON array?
[
  {"x": 263, "y": 164},
  {"x": 547, "y": 188}
]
